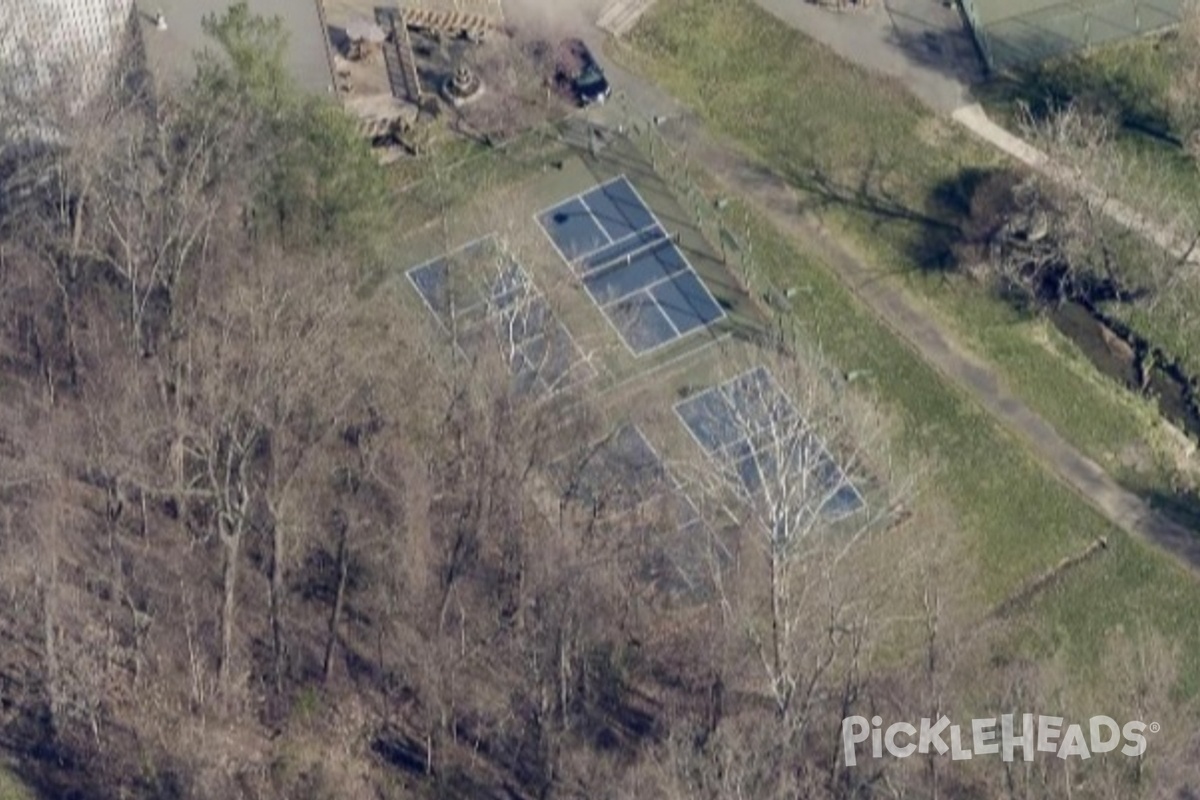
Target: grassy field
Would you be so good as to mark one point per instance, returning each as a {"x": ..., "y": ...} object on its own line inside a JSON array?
[
  {"x": 876, "y": 165},
  {"x": 1016, "y": 520},
  {"x": 11, "y": 787},
  {"x": 1129, "y": 81},
  {"x": 884, "y": 168},
  {"x": 882, "y": 171}
]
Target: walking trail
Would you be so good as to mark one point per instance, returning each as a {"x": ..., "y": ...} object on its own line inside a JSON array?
[
  {"x": 905, "y": 316},
  {"x": 892, "y": 304},
  {"x": 926, "y": 47},
  {"x": 973, "y": 118}
]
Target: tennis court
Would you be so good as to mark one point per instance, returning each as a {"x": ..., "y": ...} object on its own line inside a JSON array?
[
  {"x": 622, "y": 485},
  {"x": 1017, "y": 33},
  {"x": 621, "y": 474},
  {"x": 632, "y": 269},
  {"x": 479, "y": 293},
  {"x": 752, "y": 430}
]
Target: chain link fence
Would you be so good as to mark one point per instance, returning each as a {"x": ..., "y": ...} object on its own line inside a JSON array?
[
  {"x": 1013, "y": 34},
  {"x": 674, "y": 166}
]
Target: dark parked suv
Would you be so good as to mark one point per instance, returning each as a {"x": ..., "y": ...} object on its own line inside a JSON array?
[{"x": 579, "y": 73}]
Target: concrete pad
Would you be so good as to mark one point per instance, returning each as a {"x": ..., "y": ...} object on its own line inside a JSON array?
[
  {"x": 922, "y": 43},
  {"x": 172, "y": 52}
]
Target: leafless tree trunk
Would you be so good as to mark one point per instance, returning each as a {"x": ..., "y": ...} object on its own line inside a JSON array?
[
  {"x": 228, "y": 468},
  {"x": 275, "y": 603},
  {"x": 1087, "y": 207},
  {"x": 49, "y": 588},
  {"x": 797, "y": 483},
  {"x": 339, "y": 597}
]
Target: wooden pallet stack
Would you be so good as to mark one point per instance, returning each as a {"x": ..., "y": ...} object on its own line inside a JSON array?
[
  {"x": 398, "y": 56},
  {"x": 469, "y": 18}
]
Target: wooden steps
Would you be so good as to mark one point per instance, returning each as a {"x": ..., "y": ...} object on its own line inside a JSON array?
[
  {"x": 619, "y": 16},
  {"x": 399, "y": 58},
  {"x": 470, "y": 24}
]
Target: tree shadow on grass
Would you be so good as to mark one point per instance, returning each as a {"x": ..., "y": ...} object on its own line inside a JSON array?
[
  {"x": 1182, "y": 507},
  {"x": 951, "y": 201},
  {"x": 869, "y": 195}
]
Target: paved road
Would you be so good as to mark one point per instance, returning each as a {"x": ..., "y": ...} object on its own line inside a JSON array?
[
  {"x": 921, "y": 43},
  {"x": 891, "y": 303},
  {"x": 927, "y": 48}
]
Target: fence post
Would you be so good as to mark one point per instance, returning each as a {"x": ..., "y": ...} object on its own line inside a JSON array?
[{"x": 978, "y": 34}]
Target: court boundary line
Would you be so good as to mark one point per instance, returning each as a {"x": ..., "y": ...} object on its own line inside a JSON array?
[
  {"x": 408, "y": 273},
  {"x": 644, "y": 247},
  {"x": 579, "y": 280},
  {"x": 648, "y": 290},
  {"x": 530, "y": 286},
  {"x": 577, "y": 196},
  {"x": 671, "y": 480},
  {"x": 596, "y": 219},
  {"x": 720, "y": 453},
  {"x": 670, "y": 238},
  {"x": 682, "y": 254}
]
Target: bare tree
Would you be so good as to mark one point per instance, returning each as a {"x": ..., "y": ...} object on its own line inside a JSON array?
[
  {"x": 794, "y": 461},
  {"x": 801, "y": 464},
  {"x": 1082, "y": 216},
  {"x": 270, "y": 381}
]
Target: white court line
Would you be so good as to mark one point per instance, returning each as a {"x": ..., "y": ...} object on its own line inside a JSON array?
[
  {"x": 723, "y": 451},
  {"x": 527, "y": 285},
  {"x": 537, "y": 216},
  {"x": 654, "y": 285},
  {"x": 682, "y": 255},
  {"x": 656, "y": 221},
  {"x": 452, "y": 252},
  {"x": 658, "y": 306},
  {"x": 571, "y": 365},
  {"x": 408, "y": 273},
  {"x": 671, "y": 363},
  {"x": 552, "y": 321},
  {"x": 688, "y": 267},
  {"x": 599, "y": 224},
  {"x": 445, "y": 257},
  {"x": 579, "y": 195},
  {"x": 669, "y": 477},
  {"x": 677, "y": 339},
  {"x": 588, "y": 270},
  {"x": 674, "y": 481},
  {"x": 647, "y": 247},
  {"x": 708, "y": 452},
  {"x": 579, "y": 279}
]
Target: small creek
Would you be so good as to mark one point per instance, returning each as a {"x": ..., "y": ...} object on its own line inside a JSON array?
[{"x": 1119, "y": 353}]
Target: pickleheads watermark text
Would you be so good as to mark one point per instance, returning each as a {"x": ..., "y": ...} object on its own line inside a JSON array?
[{"x": 992, "y": 736}]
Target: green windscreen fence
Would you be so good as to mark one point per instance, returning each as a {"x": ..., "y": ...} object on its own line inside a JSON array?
[{"x": 1013, "y": 33}]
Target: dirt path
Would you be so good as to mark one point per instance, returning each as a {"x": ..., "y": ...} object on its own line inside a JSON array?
[
  {"x": 906, "y": 317},
  {"x": 640, "y": 100},
  {"x": 927, "y": 48}
]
